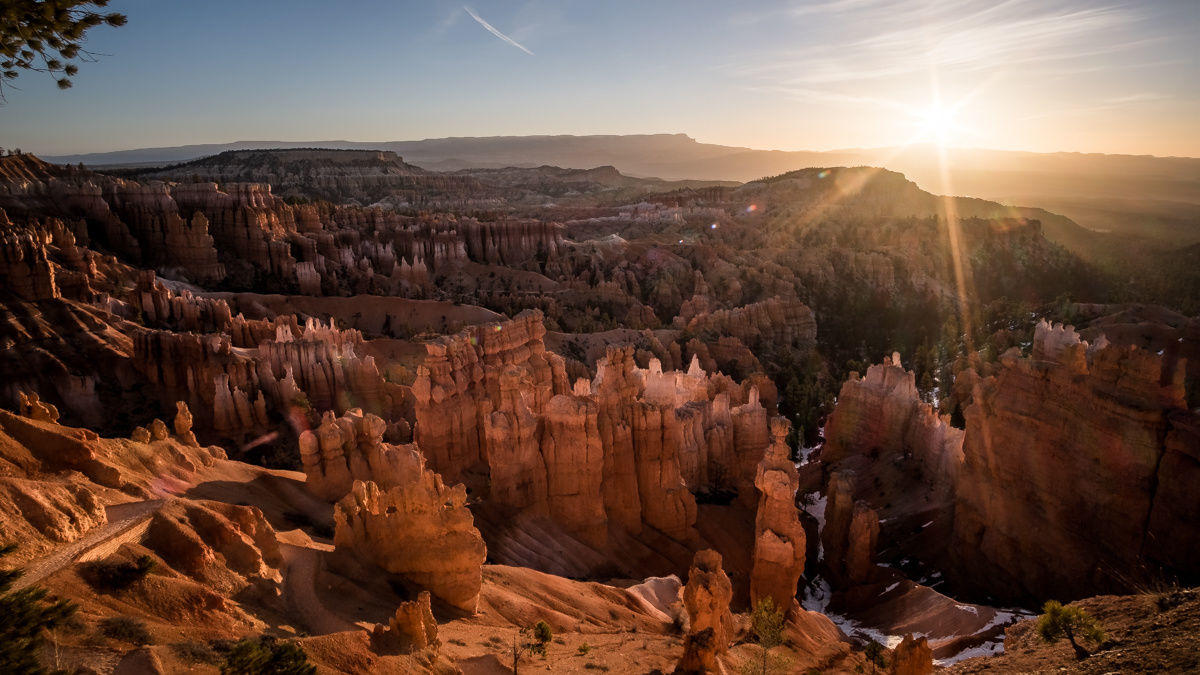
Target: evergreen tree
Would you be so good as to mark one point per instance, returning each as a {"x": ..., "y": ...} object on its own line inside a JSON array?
[
  {"x": 766, "y": 622},
  {"x": 1073, "y": 623},
  {"x": 46, "y": 36},
  {"x": 26, "y": 618},
  {"x": 266, "y": 656}
]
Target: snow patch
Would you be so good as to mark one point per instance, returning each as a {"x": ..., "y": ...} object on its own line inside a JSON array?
[
  {"x": 806, "y": 454},
  {"x": 817, "y": 596},
  {"x": 990, "y": 648}
]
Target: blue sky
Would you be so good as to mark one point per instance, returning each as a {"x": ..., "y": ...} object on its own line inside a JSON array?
[{"x": 1019, "y": 74}]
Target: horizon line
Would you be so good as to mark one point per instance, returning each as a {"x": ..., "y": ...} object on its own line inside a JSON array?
[{"x": 611, "y": 135}]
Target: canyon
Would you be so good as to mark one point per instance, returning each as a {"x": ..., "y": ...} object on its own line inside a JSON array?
[{"x": 400, "y": 416}]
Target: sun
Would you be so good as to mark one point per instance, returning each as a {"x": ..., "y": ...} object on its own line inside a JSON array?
[{"x": 938, "y": 123}]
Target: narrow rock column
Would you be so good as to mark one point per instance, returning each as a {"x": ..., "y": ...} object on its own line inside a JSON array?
[{"x": 779, "y": 542}]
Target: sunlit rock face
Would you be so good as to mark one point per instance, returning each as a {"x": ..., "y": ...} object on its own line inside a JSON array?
[
  {"x": 778, "y": 320},
  {"x": 882, "y": 414},
  {"x": 419, "y": 529},
  {"x": 458, "y": 391},
  {"x": 411, "y": 628},
  {"x": 626, "y": 449},
  {"x": 24, "y": 267},
  {"x": 779, "y": 544},
  {"x": 350, "y": 448},
  {"x": 235, "y": 389},
  {"x": 226, "y": 546},
  {"x": 711, "y": 626},
  {"x": 912, "y": 657},
  {"x": 1067, "y": 480},
  {"x": 1075, "y": 460},
  {"x": 574, "y": 456}
]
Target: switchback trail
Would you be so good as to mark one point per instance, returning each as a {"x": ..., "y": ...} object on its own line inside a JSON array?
[{"x": 126, "y": 522}]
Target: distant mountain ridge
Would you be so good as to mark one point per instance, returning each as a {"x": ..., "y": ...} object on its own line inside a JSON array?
[
  {"x": 668, "y": 156},
  {"x": 1157, "y": 197}
]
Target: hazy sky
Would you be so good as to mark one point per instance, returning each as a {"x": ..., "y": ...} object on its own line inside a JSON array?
[{"x": 1042, "y": 75}]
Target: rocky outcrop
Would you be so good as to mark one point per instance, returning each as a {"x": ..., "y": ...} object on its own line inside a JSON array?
[
  {"x": 699, "y": 654},
  {"x": 911, "y": 657},
  {"x": 1019, "y": 491},
  {"x": 410, "y": 629},
  {"x": 777, "y": 321},
  {"x": 31, "y": 406},
  {"x": 159, "y": 306},
  {"x": 420, "y": 530},
  {"x": 57, "y": 512},
  {"x": 183, "y": 424},
  {"x": 779, "y": 540},
  {"x": 166, "y": 239},
  {"x": 510, "y": 443},
  {"x": 511, "y": 242},
  {"x": 574, "y": 455},
  {"x": 665, "y": 434},
  {"x": 1067, "y": 456},
  {"x": 706, "y": 598},
  {"x": 224, "y": 546},
  {"x": 25, "y": 269},
  {"x": 350, "y": 448},
  {"x": 888, "y": 455},
  {"x": 235, "y": 389},
  {"x": 850, "y": 534},
  {"x": 881, "y": 415},
  {"x": 626, "y": 449},
  {"x": 462, "y": 376}
]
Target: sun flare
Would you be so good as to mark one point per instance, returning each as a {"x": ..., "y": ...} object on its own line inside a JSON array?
[{"x": 938, "y": 123}]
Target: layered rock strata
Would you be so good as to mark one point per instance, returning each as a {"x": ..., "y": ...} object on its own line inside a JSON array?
[
  {"x": 350, "y": 448},
  {"x": 235, "y": 389},
  {"x": 882, "y": 413},
  {"x": 1108, "y": 422},
  {"x": 418, "y": 529},
  {"x": 626, "y": 449},
  {"x": 1070, "y": 477}
]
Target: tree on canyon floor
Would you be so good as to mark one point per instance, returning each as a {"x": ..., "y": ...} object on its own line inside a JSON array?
[
  {"x": 266, "y": 655},
  {"x": 47, "y": 36},
  {"x": 541, "y": 633},
  {"x": 874, "y": 654},
  {"x": 27, "y": 619},
  {"x": 766, "y": 626},
  {"x": 1073, "y": 623}
]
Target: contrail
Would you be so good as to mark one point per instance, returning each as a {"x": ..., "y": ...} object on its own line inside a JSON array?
[{"x": 492, "y": 29}]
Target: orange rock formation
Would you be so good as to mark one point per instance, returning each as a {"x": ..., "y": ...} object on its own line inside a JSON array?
[{"x": 420, "y": 530}]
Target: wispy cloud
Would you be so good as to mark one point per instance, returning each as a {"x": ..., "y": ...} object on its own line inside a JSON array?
[
  {"x": 1141, "y": 97},
  {"x": 964, "y": 37},
  {"x": 1113, "y": 103},
  {"x": 492, "y": 29}
]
